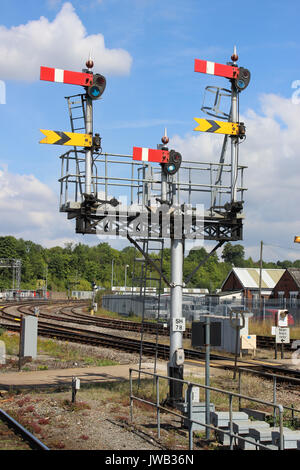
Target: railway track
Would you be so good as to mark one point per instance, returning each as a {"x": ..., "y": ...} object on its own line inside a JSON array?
[
  {"x": 15, "y": 437},
  {"x": 264, "y": 342},
  {"x": 150, "y": 348},
  {"x": 68, "y": 313}
]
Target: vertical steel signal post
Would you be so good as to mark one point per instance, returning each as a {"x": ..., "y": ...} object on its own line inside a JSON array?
[{"x": 151, "y": 194}]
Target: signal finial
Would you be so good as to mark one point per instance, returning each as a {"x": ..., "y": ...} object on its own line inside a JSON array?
[
  {"x": 165, "y": 138},
  {"x": 90, "y": 63},
  {"x": 234, "y": 56}
]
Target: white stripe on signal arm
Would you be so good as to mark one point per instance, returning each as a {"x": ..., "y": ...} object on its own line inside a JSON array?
[
  {"x": 210, "y": 67},
  {"x": 145, "y": 154},
  {"x": 59, "y": 75}
]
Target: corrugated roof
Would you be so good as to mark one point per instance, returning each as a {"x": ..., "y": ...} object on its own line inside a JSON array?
[
  {"x": 249, "y": 277},
  {"x": 295, "y": 273}
]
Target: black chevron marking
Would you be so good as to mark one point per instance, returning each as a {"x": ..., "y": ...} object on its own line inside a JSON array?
[
  {"x": 214, "y": 126},
  {"x": 63, "y": 138}
]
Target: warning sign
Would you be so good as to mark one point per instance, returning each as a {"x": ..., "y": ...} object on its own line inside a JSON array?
[
  {"x": 248, "y": 341},
  {"x": 282, "y": 335}
]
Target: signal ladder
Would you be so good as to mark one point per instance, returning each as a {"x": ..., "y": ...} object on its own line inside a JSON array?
[
  {"x": 77, "y": 114},
  {"x": 143, "y": 275}
]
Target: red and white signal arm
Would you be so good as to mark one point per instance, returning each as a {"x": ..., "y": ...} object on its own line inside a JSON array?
[
  {"x": 212, "y": 68},
  {"x": 150, "y": 155},
  {"x": 66, "y": 76}
]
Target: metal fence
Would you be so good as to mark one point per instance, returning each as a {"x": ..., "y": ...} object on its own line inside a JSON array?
[
  {"x": 194, "y": 306},
  {"x": 136, "y": 181},
  {"x": 231, "y": 395},
  {"x": 261, "y": 310},
  {"x": 275, "y": 378}
]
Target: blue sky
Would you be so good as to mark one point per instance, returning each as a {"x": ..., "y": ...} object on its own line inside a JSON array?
[{"x": 146, "y": 50}]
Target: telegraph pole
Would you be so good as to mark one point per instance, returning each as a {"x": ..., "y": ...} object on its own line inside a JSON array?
[
  {"x": 112, "y": 273},
  {"x": 260, "y": 274}
]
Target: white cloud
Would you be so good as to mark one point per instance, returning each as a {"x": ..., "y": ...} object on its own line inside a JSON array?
[
  {"x": 62, "y": 43},
  {"x": 271, "y": 153},
  {"x": 29, "y": 209}
]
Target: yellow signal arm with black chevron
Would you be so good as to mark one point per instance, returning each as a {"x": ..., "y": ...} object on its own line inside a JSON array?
[
  {"x": 66, "y": 138},
  {"x": 220, "y": 127}
]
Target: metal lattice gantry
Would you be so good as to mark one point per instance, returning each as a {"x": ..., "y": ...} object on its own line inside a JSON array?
[
  {"x": 127, "y": 198},
  {"x": 155, "y": 193},
  {"x": 15, "y": 265}
]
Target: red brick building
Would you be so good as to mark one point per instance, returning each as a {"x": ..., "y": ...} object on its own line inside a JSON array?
[
  {"x": 288, "y": 286},
  {"x": 248, "y": 280}
]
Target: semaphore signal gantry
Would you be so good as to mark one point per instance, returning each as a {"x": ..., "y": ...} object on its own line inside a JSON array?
[
  {"x": 88, "y": 174},
  {"x": 154, "y": 194}
]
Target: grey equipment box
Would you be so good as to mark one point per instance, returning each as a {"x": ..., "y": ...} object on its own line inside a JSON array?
[
  {"x": 220, "y": 419},
  {"x": 198, "y": 333},
  {"x": 290, "y": 439},
  {"x": 242, "y": 427},
  {"x": 264, "y": 434},
  {"x": 198, "y": 413},
  {"x": 29, "y": 336},
  {"x": 243, "y": 445}
]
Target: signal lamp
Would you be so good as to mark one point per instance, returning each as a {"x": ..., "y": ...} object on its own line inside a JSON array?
[
  {"x": 173, "y": 164},
  {"x": 97, "y": 88},
  {"x": 243, "y": 79}
]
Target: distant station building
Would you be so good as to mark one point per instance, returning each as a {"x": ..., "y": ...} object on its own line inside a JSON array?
[
  {"x": 82, "y": 294},
  {"x": 247, "y": 280},
  {"x": 135, "y": 290},
  {"x": 24, "y": 294},
  {"x": 288, "y": 286},
  {"x": 226, "y": 296},
  {"x": 190, "y": 291}
]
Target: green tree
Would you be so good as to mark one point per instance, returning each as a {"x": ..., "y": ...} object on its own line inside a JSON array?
[
  {"x": 284, "y": 264},
  {"x": 85, "y": 264},
  {"x": 234, "y": 254}
]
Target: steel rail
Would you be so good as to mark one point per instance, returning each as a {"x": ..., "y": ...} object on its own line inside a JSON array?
[
  {"x": 25, "y": 434},
  {"x": 262, "y": 341},
  {"x": 133, "y": 345},
  {"x": 85, "y": 319}
]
